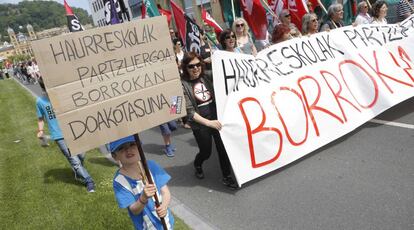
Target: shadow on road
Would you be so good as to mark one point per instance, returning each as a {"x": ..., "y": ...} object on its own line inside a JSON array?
[
  {"x": 211, "y": 181},
  {"x": 312, "y": 154},
  {"x": 395, "y": 113}
]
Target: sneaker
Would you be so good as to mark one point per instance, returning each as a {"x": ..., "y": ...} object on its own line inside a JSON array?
[
  {"x": 90, "y": 187},
  {"x": 169, "y": 151},
  {"x": 173, "y": 147},
  {"x": 199, "y": 172},
  {"x": 229, "y": 182}
]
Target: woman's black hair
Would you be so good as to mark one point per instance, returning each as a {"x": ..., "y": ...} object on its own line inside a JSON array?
[
  {"x": 188, "y": 57},
  {"x": 222, "y": 38}
]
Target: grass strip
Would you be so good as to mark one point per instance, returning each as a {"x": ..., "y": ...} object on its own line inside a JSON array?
[{"x": 38, "y": 190}]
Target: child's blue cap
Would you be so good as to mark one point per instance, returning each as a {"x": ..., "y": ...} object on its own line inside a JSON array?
[{"x": 114, "y": 146}]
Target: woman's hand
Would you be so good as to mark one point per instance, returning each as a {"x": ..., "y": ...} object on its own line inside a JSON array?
[{"x": 215, "y": 124}]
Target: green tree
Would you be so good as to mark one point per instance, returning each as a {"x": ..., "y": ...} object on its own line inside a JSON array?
[{"x": 40, "y": 14}]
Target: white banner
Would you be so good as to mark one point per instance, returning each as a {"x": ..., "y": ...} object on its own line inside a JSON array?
[{"x": 298, "y": 96}]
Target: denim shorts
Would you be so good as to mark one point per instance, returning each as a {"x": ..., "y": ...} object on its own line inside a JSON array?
[{"x": 168, "y": 128}]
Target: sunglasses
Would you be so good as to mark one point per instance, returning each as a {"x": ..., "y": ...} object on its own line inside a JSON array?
[
  {"x": 240, "y": 25},
  {"x": 288, "y": 15},
  {"x": 192, "y": 66},
  {"x": 314, "y": 20},
  {"x": 231, "y": 36}
]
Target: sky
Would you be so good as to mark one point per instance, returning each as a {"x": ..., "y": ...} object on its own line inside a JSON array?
[{"x": 73, "y": 3}]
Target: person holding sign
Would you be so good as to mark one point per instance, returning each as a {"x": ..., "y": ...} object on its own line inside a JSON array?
[
  {"x": 363, "y": 17},
  {"x": 309, "y": 24},
  {"x": 132, "y": 191},
  {"x": 335, "y": 16},
  {"x": 379, "y": 12},
  {"x": 45, "y": 112},
  {"x": 202, "y": 115},
  {"x": 244, "y": 41},
  {"x": 228, "y": 41}
]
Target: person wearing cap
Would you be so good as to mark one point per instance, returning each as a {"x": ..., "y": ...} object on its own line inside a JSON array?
[
  {"x": 132, "y": 190},
  {"x": 44, "y": 112}
]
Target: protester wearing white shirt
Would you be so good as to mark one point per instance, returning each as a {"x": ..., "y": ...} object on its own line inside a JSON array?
[{"x": 363, "y": 17}]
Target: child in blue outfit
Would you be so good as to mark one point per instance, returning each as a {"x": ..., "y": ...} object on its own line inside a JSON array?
[
  {"x": 44, "y": 112},
  {"x": 134, "y": 193}
]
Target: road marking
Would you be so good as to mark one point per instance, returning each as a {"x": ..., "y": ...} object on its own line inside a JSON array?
[{"x": 391, "y": 123}]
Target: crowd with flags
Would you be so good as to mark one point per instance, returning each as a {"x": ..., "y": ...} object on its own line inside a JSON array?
[{"x": 267, "y": 21}]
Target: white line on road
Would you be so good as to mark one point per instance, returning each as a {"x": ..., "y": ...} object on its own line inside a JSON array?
[{"x": 391, "y": 123}]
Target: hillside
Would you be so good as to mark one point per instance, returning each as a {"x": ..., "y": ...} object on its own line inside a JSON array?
[{"x": 40, "y": 14}]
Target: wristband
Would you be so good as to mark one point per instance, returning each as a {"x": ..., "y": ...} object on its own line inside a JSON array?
[{"x": 142, "y": 202}]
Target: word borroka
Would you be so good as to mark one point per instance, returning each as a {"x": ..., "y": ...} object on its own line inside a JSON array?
[
  {"x": 299, "y": 95},
  {"x": 110, "y": 82}
]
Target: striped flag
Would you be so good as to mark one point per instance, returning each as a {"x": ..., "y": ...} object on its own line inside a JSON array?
[
  {"x": 73, "y": 21},
  {"x": 210, "y": 21}
]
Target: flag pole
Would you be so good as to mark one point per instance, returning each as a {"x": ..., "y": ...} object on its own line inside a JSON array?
[
  {"x": 232, "y": 10},
  {"x": 369, "y": 4},
  {"x": 268, "y": 7},
  {"x": 148, "y": 175}
]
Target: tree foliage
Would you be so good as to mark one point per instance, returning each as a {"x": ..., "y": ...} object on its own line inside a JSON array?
[{"x": 40, "y": 14}]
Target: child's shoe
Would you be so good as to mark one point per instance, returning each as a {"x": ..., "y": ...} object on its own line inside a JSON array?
[
  {"x": 90, "y": 186},
  {"x": 169, "y": 151}
]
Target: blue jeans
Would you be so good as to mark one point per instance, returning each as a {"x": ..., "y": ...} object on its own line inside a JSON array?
[
  {"x": 168, "y": 128},
  {"x": 76, "y": 162}
]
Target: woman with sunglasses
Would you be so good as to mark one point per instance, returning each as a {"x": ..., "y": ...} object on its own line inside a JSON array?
[
  {"x": 309, "y": 24},
  {"x": 363, "y": 17},
  {"x": 228, "y": 40},
  {"x": 285, "y": 18},
  {"x": 244, "y": 41},
  {"x": 202, "y": 115}
]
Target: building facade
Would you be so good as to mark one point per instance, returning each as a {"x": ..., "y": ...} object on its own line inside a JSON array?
[{"x": 20, "y": 42}]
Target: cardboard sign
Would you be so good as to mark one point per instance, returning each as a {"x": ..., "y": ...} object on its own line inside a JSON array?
[
  {"x": 299, "y": 95},
  {"x": 110, "y": 82}
]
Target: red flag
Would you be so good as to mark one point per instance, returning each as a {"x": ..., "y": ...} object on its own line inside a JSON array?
[
  {"x": 166, "y": 13},
  {"x": 74, "y": 24},
  {"x": 297, "y": 9},
  {"x": 179, "y": 19},
  {"x": 255, "y": 15},
  {"x": 210, "y": 21},
  {"x": 68, "y": 9}
]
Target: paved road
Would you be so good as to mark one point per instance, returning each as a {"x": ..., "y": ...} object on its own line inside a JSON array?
[{"x": 364, "y": 180}]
